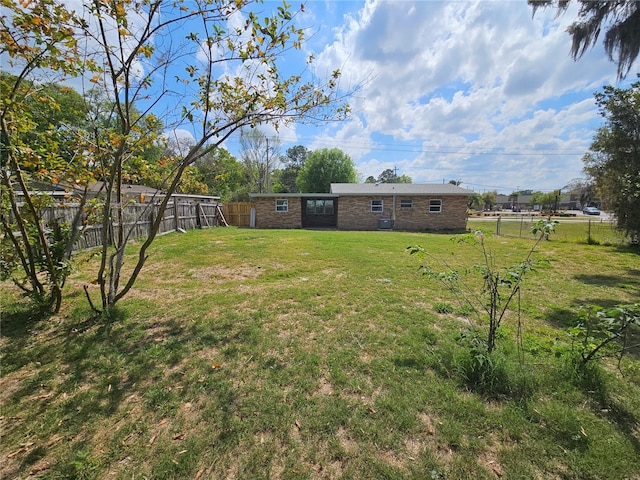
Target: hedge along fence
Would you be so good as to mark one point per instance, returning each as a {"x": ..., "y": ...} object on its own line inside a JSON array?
[{"x": 137, "y": 219}]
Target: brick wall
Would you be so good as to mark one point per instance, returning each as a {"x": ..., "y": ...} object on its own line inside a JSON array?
[
  {"x": 267, "y": 217},
  {"x": 355, "y": 213}
]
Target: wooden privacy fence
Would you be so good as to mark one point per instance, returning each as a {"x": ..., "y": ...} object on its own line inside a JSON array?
[
  {"x": 137, "y": 219},
  {"x": 238, "y": 213}
]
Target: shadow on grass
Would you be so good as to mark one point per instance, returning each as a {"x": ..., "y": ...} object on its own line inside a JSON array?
[
  {"x": 591, "y": 380},
  {"x": 564, "y": 318},
  {"x": 67, "y": 374},
  {"x": 614, "y": 281},
  {"x": 17, "y": 324},
  {"x": 18, "y": 327},
  {"x": 626, "y": 248},
  {"x": 70, "y": 379}
]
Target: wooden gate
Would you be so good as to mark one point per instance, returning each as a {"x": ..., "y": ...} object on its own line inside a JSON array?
[{"x": 238, "y": 213}]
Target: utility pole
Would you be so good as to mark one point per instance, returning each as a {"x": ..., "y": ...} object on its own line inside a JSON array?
[{"x": 263, "y": 172}]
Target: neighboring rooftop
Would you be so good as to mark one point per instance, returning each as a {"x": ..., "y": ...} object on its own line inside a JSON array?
[{"x": 398, "y": 189}]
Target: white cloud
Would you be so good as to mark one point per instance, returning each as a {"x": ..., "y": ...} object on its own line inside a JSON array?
[{"x": 479, "y": 76}]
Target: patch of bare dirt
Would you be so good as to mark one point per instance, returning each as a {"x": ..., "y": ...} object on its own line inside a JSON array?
[
  {"x": 489, "y": 460},
  {"x": 221, "y": 273},
  {"x": 347, "y": 443},
  {"x": 324, "y": 389}
]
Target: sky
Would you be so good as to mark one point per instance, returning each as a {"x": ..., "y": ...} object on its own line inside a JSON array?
[{"x": 480, "y": 92}]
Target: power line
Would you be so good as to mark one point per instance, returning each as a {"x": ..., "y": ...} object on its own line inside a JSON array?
[{"x": 437, "y": 150}]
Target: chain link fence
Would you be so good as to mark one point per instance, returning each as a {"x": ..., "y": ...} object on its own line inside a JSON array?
[{"x": 569, "y": 229}]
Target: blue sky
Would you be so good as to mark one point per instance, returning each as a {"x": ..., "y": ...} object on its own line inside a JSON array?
[{"x": 474, "y": 91}]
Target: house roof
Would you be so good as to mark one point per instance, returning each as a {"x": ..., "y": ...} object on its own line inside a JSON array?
[
  {"x": 292, "y": 195},
  {"x": 349, "y": 189},
  {"x": 443, "y": 189},
  {"x": 127, "y": 189}
]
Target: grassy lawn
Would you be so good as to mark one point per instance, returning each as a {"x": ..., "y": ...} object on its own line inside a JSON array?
[
  {"x": 245, "y": 354},
  {"x": 576, "y": 230}
]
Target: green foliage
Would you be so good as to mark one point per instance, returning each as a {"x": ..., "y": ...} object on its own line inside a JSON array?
[
  {"x": 324, "y": 167},
  {"x": 488, "y": 199},
  {"x": 613, "y": 161},
  {"x": 619, "y": 20},
  {"x": 545, "y": 200},
  {"x": 286, "y": 179},
  {"x": 475, "y": 202},
  {"x": 221, "y": 173},
  {"x": 480, "y": 370},
  {"x": 23, "y": 258},
  {"x": 500, "y": 286},
  {"x": 40, "y": 126},
  {"x": 604, "y": 331},
  {"x": 443, "y": 307}
]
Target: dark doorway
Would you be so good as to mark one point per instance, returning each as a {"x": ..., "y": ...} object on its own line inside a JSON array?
[{"x": 319, "y": 212}]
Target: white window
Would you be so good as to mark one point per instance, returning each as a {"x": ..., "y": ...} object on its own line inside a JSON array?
[
  {"x": 435, "y": 206},
  {"x": 377, "y": 206},
  {"x": 406, "y": 203},
  {"x": 282, "y": 205}
]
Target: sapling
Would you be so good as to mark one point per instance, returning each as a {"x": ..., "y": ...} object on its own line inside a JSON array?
[
  {"x": 604, "y": 331},
  {"x": 488, "y": 304}
]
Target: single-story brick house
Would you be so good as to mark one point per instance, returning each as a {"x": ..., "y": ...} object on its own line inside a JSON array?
[{"x": 367, "y": 206}]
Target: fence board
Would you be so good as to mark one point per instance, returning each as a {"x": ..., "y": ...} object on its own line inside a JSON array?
[
  {"x": 238, "y": 213},
  {"x": 137, "y": 219}
]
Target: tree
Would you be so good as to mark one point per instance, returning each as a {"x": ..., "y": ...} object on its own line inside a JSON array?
[
  {"x": 389, "y": 176},
  {"x": 475, "y": 201},
  {"x": 514, "y": 199},
  {"x": 545, "y": 200},
  {"x": 620, "y": 20},
  {"x": 614, "y": 158},
  {"x": 214, "y": 64},
  {"x": 222, "y": 173},
  {"x": 500, "y": 286},
  {"x": 249, "y": 91},
  {"x": 584, "y": 189},
  {"x": 489, "y": 199},
  {"x": 35, "y": 36},
  {"x": 324, "y": 167},
  {"x": 259, "y": 155},
  {"x": 285, "y": 180}
]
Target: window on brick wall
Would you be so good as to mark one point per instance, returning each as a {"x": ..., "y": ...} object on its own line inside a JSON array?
[
  {"x": 435, "y": 206},
  {"x": 282, "y": 205},
  {"x": 406, "y": 203},
  {"x": 377, "y": 206},
  {"x": 319, "y": 207}
]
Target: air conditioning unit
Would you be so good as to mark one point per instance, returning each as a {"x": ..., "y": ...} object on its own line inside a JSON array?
[{"x": 384, "y": 224}]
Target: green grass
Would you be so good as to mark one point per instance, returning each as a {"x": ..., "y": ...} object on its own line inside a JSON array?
[
  {"x": 315, "y": 354},
  {"x": 574, "y": 230}
]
